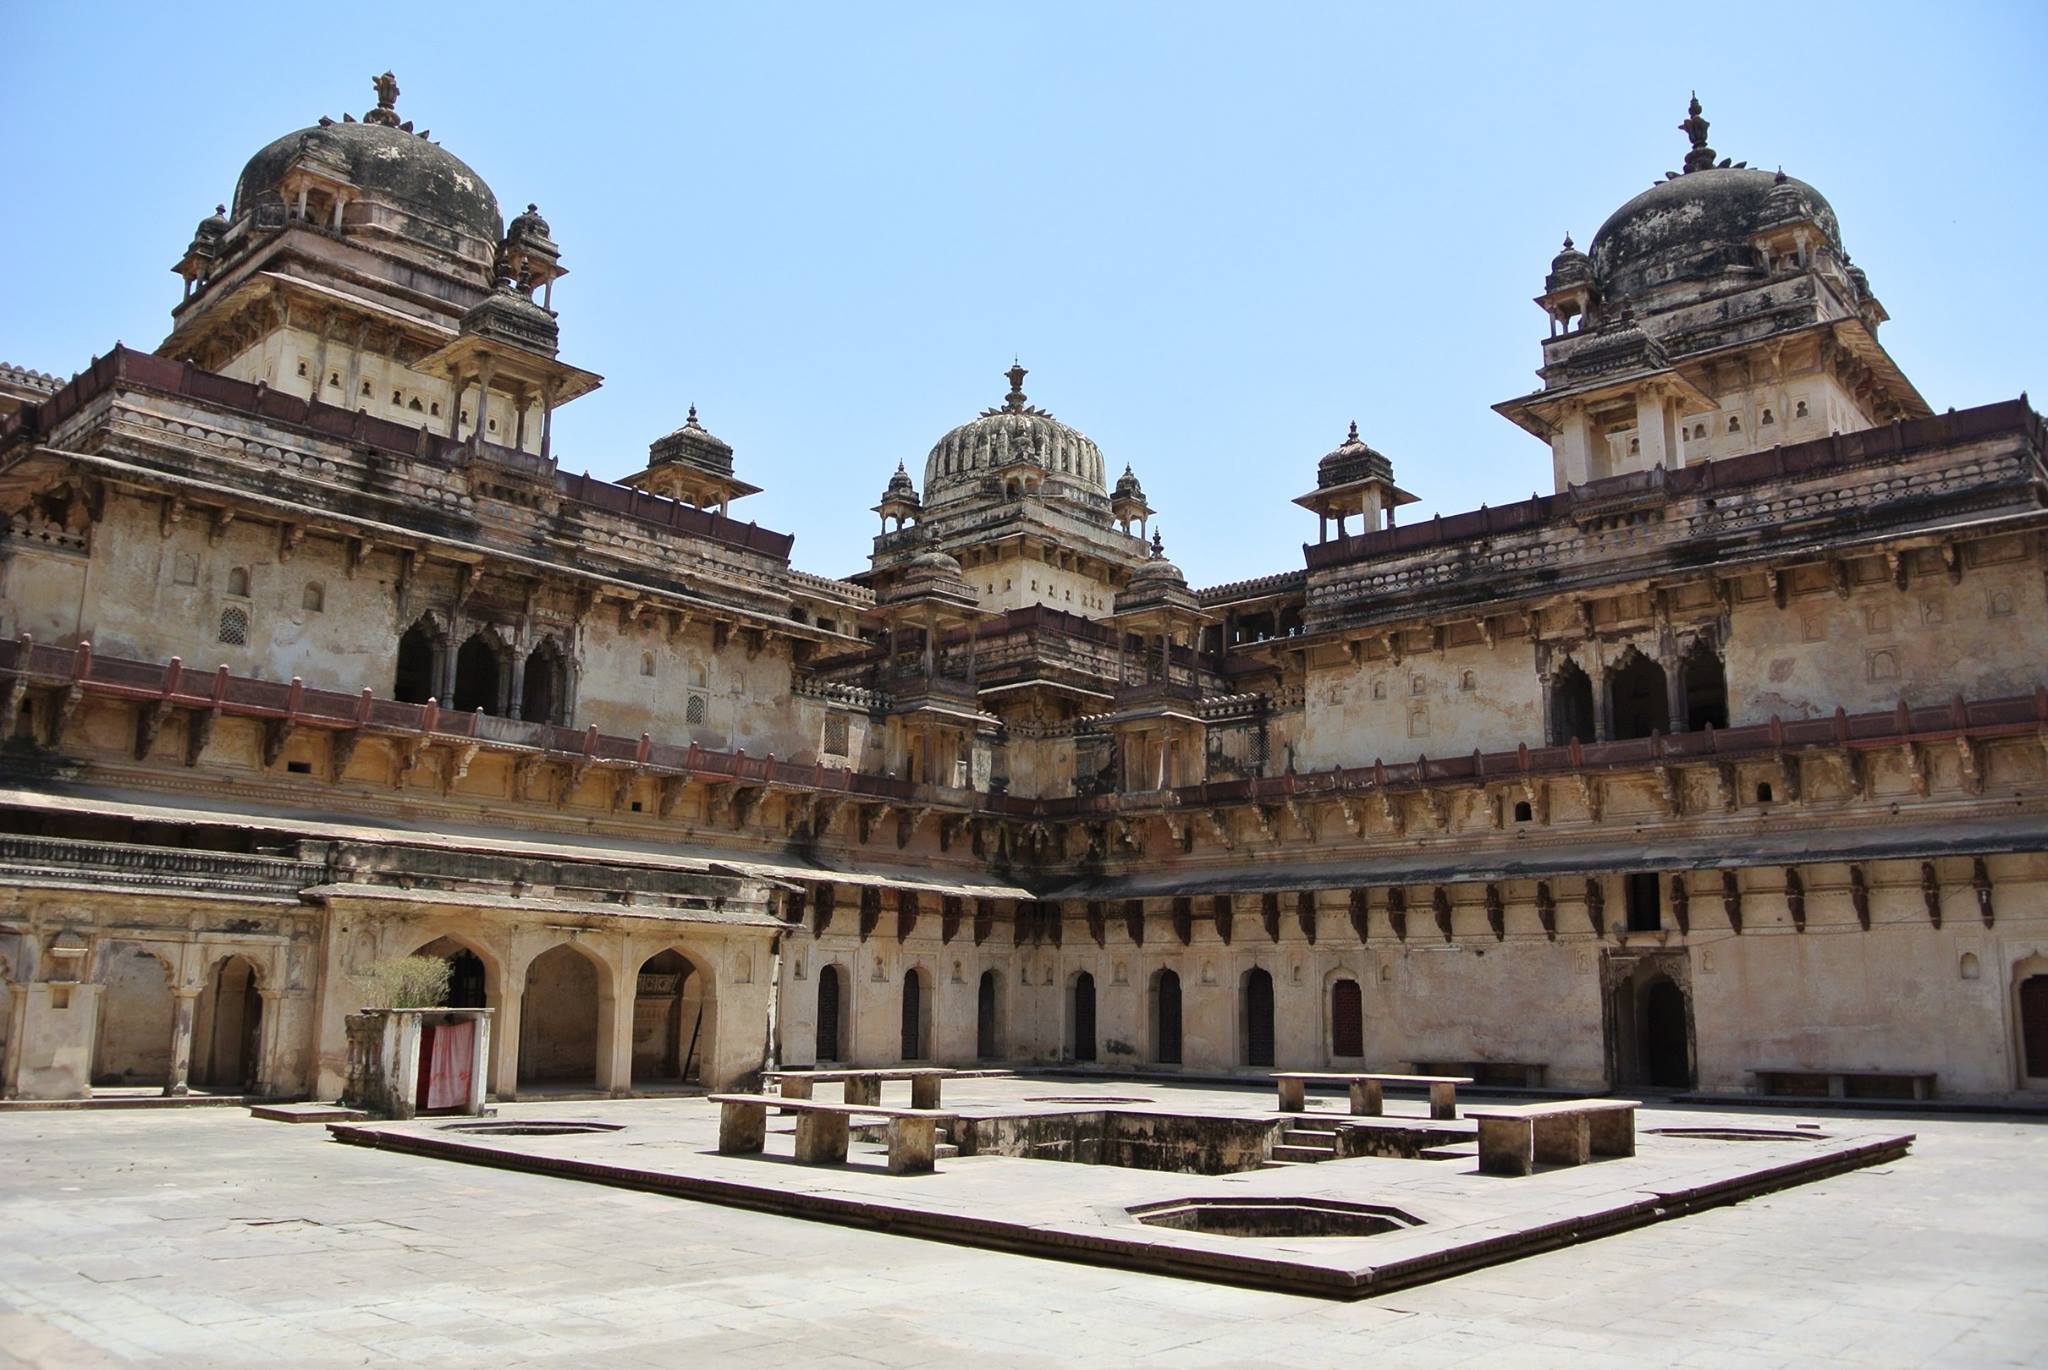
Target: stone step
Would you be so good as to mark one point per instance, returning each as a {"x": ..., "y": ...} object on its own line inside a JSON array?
[
  {"x": 1306, "y": 1136},
  {"x": 944, "y": 1151},
  {"x": 307, "y": 1113},
  {"x": 1452, "y": 1151},
  {"x": 1305, "y": 1154}
]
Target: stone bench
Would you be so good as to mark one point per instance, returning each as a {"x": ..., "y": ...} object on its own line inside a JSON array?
[
  {"x": 1513, "y": 1139},
  {"x": 865, "y": 1086},
  {"x": 822, "y": 1134},
  {"x": 1501, "y": 1074},
  {"x": 1801, "y": 1081},
  {"x": 1367, "y": 1099}
]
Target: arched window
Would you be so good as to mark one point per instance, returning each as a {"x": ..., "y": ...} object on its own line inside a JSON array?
[
  {"x": 1347, "y": 1019},
  {"x": 418, "y": 671},
  {"x": 1571, "y": 705},
  {"x": 1638, "y": 698},
  {"x": 647, "y": 663},
  {"x": 314, "y": 600},
  {"x": 1166, "y": 1018},
  {"x": 479, "y": 675},
  {"x": 1705, "y": 684},
  {"x": 234, "y": 626},
  {"x": 238, "y": 581},
  {"x": 544, "y": 689}
]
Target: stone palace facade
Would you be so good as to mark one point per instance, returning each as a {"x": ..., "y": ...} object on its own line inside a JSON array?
[{"x": 1727, "y": 757}]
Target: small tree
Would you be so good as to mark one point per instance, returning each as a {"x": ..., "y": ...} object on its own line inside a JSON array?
[{"x": 404, "y": 982}]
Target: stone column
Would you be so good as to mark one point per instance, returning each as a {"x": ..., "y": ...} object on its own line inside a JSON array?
[
  {"x": 1603, "y": 705},
  {"x": 517, "y": 694},
  {"x": 1674, "y": 691},
  {"x": 455, "y": 406},
  {"x": 269, "y": 1070},
  {"x": 1653, "y": 427},
  {"x": 1574, "y": 448},
  {"x": 181, "y": 1043},
  {"x": 505, "y": 1069},
  {"x": 615, "y": 1031}
]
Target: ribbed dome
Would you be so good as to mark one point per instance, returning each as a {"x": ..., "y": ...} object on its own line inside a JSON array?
[
  {"x": 694, "y": 445},
  {"x": 433, "y": 185},
  {"x": 1695, "y": 227},
  {"x": 1017, "y": 432}
]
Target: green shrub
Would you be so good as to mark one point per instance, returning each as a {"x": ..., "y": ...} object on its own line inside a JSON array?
[{"x": 404, "y": 982}]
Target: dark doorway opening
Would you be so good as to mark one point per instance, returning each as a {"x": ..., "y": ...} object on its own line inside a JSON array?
[
  {"x": 1644, "y": 899},
  {"x": 479, "y": 676},
  {"x": 1347, "y": 1019},
  {"x": 1706, "y": 688},
  {"x": 544, "y": 688},
  {"x": 2034, "y": 1023},
  {"x": 1665, "y": 1057},
  {"x": 1084, "y": 1017},
  {"x": 1258, "y": 1017},
  {"x": 913, "y": 1017},
  {"x": 828, "y": 1014},
  {"x": 987, "y": 1047},
  {"x": 418, "y": 678},
  {"x": 1640, "y": 698},
  {"x": 667, "y": 1016},
  {"x": 230, "y": 1014},
  {"x": 1571, "y": 705},
  {"x": 1166, "y": 1018}
]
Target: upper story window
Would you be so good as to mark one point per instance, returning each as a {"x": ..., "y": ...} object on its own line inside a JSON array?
[
  {"x": 238, "y": 582},
  {"x": 234, "y": 626}
]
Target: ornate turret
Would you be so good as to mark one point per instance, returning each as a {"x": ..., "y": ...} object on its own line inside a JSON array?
[
  {"x": 530, "y": 256},
  {"x": 1127, "y": 503},
  {"x": 1354, "y": 478},
  {"x": 507, "y": 316},
  {"x": 693, "y": 465},
  {"x": 899, "y": 501}
]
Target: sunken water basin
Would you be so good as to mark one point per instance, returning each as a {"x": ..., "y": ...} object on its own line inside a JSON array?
[
  {"x": 534, "y": 1128},
  {"x": 1271, "y": 1217}
]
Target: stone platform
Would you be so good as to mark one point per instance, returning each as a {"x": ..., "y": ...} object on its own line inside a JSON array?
[{"x": 1448, "y": 1218}]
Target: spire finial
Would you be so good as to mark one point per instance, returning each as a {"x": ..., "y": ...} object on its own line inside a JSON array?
[
  {"x": 1016, "y": 373},
  {"x": 1352, "y": 436},
  {"x": 386, "y": 112},
  {"x": 1158, "y": 546},
  {"x": 1567, "y": 240},
  {"x": 1694, "y": 127},
  {"x": 691, "y": 421}
]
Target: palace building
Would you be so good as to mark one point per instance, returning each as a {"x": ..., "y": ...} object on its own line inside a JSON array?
[{"x": 1723, "y": 766}]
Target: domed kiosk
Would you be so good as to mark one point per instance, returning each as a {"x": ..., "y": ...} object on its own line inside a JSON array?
[{"x": 1714, "y": 313}]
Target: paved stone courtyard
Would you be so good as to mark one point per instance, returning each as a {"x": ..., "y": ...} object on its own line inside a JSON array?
[{"x": 202, "y": 1236}]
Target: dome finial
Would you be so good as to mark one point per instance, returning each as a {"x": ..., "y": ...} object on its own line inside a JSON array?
[
  {"x": 691, "y": 421},
  {"x": 1158, "y": 546},
  {"x": 1352, "y": 436},
  {"x": 1567, "y": 240},
  {"x": 386, "y": 112},
  {"x": 1016, "y": 373},
  {"x": 1694, "y": 127}
]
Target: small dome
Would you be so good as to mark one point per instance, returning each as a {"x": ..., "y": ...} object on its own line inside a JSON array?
[
  {"x": 1157, "y": 570},
  {"x": 436, "y": 189},
  {"x": 1352, "y": 460},
  {"x": 528, "y": 225},
  {"x": 900, "y": 490},
  {"x": 1784, "y": 204},
  {"x": 508, "y": 315},
  {"x": 1127, "y": 487},
  {"x": 932, "y": 564},
  {"x": 214, "y": 224},
  {"x": 693, "y": 445},
  {"x": 1569, "y": 267},
  {"x": 1016, "y": 432}
]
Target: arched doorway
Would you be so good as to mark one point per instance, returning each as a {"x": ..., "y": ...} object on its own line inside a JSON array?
[
  {"x": 1705, "y": 684},
  {"x": 419, "y": 660},
  {"x": 1665, "y": 1056},
  {"x": 137, "y": 1009},
  {"x": 227, "y": 1027},
  {"x": 987, "y": 1029},
  {"x": 467, "y": 979},
  {"x": 1639, "y": 696},
  {"x": 831, "y": 1015},
  {"x": 1571, "y": 705},
  {"x": 545, "y": 686},
  {"x": 1165, "y": 998},
  {"x": 1258, "y": 1017},
  {"x": 479, "y": 674},
  {"x": 2034, "y": 1025},
  {"x": 916, "y": 1044},
  {"x": 1347, "y": 1019},
  {"x": 1081, "y": 1018},
  {"x": 558, "y": 1019},
  {"x": 668, "y": 1021}
]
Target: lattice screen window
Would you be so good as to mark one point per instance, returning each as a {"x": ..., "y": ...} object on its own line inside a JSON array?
[
  {"x": 695, "y": 709},
  {"x": 234, "y": 627},
  {"x": 836, "y": 735}
]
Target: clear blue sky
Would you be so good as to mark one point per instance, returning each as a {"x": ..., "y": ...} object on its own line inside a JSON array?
[{"x": 1215, "y": 234}]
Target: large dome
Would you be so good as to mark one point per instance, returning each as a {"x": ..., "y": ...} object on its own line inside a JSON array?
[
  {"x": 1694, "y": 227},
  {"x": 1017, "y": 432},
  {"x": 434, "y": 186}
]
